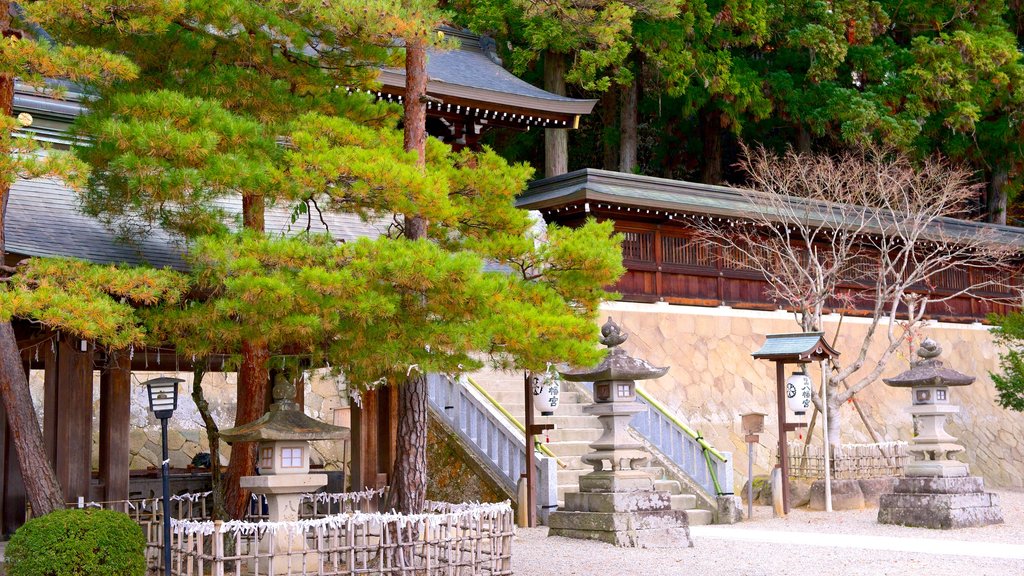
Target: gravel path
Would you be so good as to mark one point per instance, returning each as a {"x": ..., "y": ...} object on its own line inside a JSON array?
[{"x": 535, "y": 554}]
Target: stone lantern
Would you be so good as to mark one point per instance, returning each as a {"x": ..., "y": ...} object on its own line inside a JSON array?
[
  {"x": 284, "y": 434},
  {"x": 617, "y": 502},
  {"x": 938, "y": 492}
]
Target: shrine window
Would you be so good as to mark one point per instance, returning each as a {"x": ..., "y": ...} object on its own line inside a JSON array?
[
  {"x": 638, "y": 246},
  {"x": 266, "y": 458}
]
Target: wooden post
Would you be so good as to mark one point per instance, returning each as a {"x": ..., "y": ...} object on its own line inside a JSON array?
[
  {"x": 115, "y": 419},
  {"x": 780, "y": 380},
  {"x": 364, "y": 442},
  {"x": 531, "y": 460},
  {"x": 74, "y": 418},
  {"x": 50, "y": 393}
]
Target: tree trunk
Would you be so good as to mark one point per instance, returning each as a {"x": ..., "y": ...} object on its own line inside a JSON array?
[
  {"x": 610, "y": 131},
  {"x": 41, "y": 486},
  {"x": 803, "y": 139},
  {"x": 251, "y": 389},
  {"x": 834, "y": 418},
  {"x": 711, "y": 133},
  {"x": 409, "y": 487},
  {"x": 409, "y": 481},
  {"x": 627, "y": 126},
  {"x": 996, "y": 196},
  {"x": 219, "y": 512},
  {"x": 556, "y": 140},
  {"x": 253, "y": 386}
]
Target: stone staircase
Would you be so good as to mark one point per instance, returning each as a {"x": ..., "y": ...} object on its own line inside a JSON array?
[{"x": 571, "y": 438}]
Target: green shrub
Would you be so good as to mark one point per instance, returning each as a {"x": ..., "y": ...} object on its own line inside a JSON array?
[{"x": 78, "y": 543}]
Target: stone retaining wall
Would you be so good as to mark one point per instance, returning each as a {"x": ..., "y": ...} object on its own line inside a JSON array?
[{"x": 713, "y": 379}]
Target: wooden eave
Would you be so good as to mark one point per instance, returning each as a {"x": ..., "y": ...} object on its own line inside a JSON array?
[{"x": 631, "y": 194}]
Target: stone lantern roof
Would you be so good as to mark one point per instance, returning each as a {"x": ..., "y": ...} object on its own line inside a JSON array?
[
  {"x": 284, "y": 421},
  {"x": 617, "y": 365},
  {"x": 929, "y": 370}
]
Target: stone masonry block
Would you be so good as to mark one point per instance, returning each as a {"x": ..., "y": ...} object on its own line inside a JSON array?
[
  {"x": 616, "y": 501},
  {"x": 615, "y": 482},
  {"x": 966, "y": 485}
]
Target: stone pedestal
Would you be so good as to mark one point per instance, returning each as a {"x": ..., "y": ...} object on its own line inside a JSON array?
[
  {"x": 621, "y": 508},
  {"x": 941, "y": 503},
  {"x": 619, "y": 504},
  {"x": 283, "y": 552}
]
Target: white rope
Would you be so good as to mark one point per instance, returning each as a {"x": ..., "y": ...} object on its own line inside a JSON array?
[{"x": 447, "y": 514}]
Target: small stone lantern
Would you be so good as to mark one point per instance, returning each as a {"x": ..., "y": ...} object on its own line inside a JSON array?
[
  {"x": 938, "y": 492},
  {"x": 284, "y": 434}
]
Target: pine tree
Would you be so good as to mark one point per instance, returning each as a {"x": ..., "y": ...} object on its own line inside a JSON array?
[
  {"x": 266, "y": 101},
  {"x": 32, "y": 61}
]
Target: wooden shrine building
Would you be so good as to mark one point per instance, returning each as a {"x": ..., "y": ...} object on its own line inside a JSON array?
[{"x": 667, "y": 261}]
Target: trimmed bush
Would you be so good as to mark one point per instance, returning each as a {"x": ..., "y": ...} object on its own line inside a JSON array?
[{"x": 78, "y": 543}]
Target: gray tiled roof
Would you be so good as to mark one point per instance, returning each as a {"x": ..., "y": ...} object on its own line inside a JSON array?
[
  {"x": 703, "y": 199},
  {"x": 43, "y": 219},
  {"x": 788, "y": 344},
  {"x": 469, "y": 73}
]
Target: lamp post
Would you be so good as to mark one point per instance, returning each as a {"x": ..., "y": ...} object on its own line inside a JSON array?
[
  {"x": 163, "y": 400},
  {"x": 753, "y": 424}
]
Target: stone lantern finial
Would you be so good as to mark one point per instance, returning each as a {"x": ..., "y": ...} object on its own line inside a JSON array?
[
  {"x": 929, "y": 349},
  {"x": 611, "y": 334},
  {"x": 284, "y": 389}
]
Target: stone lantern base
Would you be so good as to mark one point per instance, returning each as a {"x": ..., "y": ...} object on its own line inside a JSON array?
[
  {"x": 940, "y": 503},
  {"x": 622, "y": 508}
]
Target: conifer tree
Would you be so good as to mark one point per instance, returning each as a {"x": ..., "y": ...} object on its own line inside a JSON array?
[
  {"x": 33, "y": 61},
  {"x": 264, "y": 100}
]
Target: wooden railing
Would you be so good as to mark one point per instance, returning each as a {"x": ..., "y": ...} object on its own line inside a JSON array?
[{"x": 680, "y": 269}]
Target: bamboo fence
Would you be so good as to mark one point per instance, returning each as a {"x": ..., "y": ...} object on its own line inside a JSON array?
[{"x": 849, "y": 461}]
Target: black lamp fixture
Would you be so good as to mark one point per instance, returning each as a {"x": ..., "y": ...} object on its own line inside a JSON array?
[{"x": 163, "y": 400}]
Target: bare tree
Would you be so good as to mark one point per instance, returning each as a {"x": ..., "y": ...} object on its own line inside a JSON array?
[{"x": 870, "y": 232}]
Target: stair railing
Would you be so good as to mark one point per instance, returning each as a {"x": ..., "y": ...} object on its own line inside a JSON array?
[
  {"x": 495, "y": 437},
  {"x": 687, "y": 449}
]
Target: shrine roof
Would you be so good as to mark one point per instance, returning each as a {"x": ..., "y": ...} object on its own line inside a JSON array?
[
  {"x": 587, "y": 189},
  {"x": 44, "y": 219},
  {"x": 472, "y": 76}
]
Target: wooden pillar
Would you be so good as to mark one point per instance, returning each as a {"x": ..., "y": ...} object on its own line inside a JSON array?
[
  {"x": 780, "y": 380},
  {"x": 50, "y": 393},
  {"x": 115, "y": 418},
  {"x": 364, "y": 441},
  {"x": 12, "y": 486},
  {"x": 374, "y": 438},
  {"x": 73, "y": 441},
  {"x": 388, "y": 423}
]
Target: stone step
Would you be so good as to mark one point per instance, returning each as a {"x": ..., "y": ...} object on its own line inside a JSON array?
[
  {"x": 670, "y": 486},
  {"x": 656, "y": 472},
  {"x": 571, "y": 435},
  {"x": 567, "y": 476},
  {"x": 699, "y": 517},
  {"x": 572, "y": 421},
  {"x": 570, "y": 448},
  {"x": 683, "y": 501},
  {"x": 517, "y": 410}
]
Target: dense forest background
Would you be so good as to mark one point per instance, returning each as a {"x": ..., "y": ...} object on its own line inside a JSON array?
[{"x": 682, "y": 83}]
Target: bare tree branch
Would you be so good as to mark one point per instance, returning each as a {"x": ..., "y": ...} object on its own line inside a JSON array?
[{"x": 869, "y": 233}]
